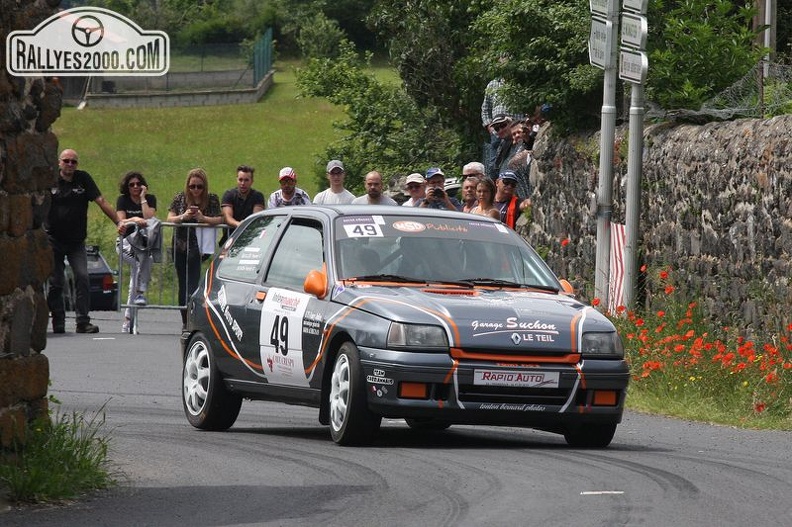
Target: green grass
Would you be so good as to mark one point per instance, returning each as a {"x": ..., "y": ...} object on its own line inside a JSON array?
[
  {"x": 62, "y": 459},
  {"x": 164, "y": 144}
]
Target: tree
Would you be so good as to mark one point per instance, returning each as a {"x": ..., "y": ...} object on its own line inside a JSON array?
[{"x": 385, "y": 129}]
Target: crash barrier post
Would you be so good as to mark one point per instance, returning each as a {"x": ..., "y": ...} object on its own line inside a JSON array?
[{"x": 163, "y": 271}]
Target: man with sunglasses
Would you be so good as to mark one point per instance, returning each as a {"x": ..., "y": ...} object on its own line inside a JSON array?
[
  {"x": 67, "y": 228},
  {"x": 506, "y": 199}
]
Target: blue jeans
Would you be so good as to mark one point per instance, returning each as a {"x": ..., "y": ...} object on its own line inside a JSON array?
[{"x": 75, "y": 253}]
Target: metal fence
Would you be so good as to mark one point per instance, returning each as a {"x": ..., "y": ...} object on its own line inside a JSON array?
[{"x": 164, "y": 295}]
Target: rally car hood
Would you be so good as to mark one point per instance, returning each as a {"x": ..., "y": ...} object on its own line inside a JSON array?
[{"x": 485, "y": 317}]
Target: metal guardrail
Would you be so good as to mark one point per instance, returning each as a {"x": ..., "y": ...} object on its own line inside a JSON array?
[{"x": 166, "y": 270}]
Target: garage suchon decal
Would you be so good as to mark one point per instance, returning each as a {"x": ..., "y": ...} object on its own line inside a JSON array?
[{"x": 87, "y": 41}]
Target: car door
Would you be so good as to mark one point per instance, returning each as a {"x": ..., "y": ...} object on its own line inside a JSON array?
[
  {"x": 236, "y": 295},
  {"x": 288, "y": 321}
]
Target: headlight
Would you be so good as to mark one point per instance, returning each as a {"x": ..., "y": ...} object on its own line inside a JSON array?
[
  {"x": 416, "y": 336},
  {"x": 602, "y": 344}
]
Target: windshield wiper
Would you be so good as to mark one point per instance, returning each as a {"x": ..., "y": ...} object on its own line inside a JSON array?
[
  {"x": 386, "y": 278},
  {"x": 507, "y": 283}
]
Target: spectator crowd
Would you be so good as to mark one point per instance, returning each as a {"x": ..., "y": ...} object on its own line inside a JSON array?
[{"x": 498, "y": 187}]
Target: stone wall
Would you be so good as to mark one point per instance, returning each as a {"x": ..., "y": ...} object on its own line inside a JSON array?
[
  {"x": 716, "y": 209},
  {"x": 28, "y": 155}
]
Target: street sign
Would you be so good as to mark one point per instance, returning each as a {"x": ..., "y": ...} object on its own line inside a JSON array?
[
  {"x": 600, "y": 42},
  {"x": 633, "y": 66},
  {"x": 634, "y": 30},
  {"x": 636, "y": 6},
  {"x": 600, "y": 7}
]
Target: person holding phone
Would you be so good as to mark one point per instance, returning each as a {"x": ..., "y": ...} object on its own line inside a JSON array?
[
  {"x": 194, "y": 205},
  {"x": 436, "y": 196}
]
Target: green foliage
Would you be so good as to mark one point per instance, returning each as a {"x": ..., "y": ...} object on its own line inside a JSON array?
[
  {"x": 540, "y": 48},
  {"x": 434, "y": 47},
  {"x": 698, "y": 48},
  {"x": 385, "y": 130},
  {"x": 61, "y": 459},
  {"x": 320, "y": 37}
]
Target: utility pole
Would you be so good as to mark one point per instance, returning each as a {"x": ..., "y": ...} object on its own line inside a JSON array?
[
  {"x": 603, "y": 54},
  {"x": 633, "y": 67}
]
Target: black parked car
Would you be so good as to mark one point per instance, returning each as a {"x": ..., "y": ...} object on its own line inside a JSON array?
[{"x": 103, "y": 284}]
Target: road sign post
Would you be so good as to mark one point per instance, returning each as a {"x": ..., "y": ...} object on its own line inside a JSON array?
[{"x": 633, "y": 68}]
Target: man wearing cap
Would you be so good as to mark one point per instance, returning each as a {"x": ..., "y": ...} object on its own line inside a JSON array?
[
  {"x": 336, "y": 194},
  {"x": 506, "y": 200},
  {"x": 240, "y": 202},
  {"x": 501, "y": 144},
  {"x": 288, "y": 194},
  {"x": 436, "y": 196},
  {"x": 373, "y": 195},
  {"x": 416, "y": 188}
]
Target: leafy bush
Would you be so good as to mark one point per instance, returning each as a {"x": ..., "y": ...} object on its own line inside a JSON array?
[
  {"x": 697, "y": 49},
  {"x": 385, "y": 130},
  {"x": 320, "y": 37}
]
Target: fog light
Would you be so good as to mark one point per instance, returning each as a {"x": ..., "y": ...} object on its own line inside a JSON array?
[
  {"x": 605, "y": 398},
  {"x": 413, "y": 390}
]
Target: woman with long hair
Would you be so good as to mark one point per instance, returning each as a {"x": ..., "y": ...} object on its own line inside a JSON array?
[
  {"x": 197, "y": 208},
  {"x": 134, "y": 206},
  {"x": 485, "y": 194}
]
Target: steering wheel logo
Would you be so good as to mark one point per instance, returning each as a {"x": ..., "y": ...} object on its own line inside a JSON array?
[{"x": 87, "y": 31}]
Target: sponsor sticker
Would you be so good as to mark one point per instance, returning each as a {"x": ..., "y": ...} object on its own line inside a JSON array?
[
  {"x": 87, "y": 41},
  {"x": 526, "y": 379},
  {"x": 408, "y": 226}
]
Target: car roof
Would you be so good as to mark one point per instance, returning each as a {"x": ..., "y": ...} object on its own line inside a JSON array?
[{"x": 335, "y": 211}]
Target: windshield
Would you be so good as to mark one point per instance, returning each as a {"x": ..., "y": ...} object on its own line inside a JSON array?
[{"x": 396, "y": 248}]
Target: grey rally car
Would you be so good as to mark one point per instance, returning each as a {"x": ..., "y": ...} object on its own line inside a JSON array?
[{"x": 365, "y": 312}]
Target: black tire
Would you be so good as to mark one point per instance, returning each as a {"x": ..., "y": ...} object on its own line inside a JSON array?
[
  {"x": 591, "y": 436},
  {"x": 351, "y": 422},
  {"x": 427, "y": 424},
  {"x": 207, "y": 403}
]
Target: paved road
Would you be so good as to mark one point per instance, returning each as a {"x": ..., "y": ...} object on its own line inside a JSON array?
[{"x": 277, "y": 465}]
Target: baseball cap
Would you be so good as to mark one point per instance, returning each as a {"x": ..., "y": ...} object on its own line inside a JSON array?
[
  {"x": 508, "y": 174},
  {"x": 415, "y": 177},
  {"x": 433, "y": 172},
  {"x": 452, "y": 183},
  {"x": 287, "y": 172},
  {"x": 501, "y": 118},
  {"x": 335, "y": 163}
]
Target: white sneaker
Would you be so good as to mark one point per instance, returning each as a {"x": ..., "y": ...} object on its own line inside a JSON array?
[
  {"x": 126, "y": 326},
  {"x": 140, "y": 300}
]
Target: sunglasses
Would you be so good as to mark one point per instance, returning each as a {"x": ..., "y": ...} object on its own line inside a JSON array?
[
  {"x": 69, "y": 161},
  {"x": 509, "y": 183},
  {"x": 136, "y": 184},
  {"x": 195, "y": 187},
  {"x": 413, "y": 186},
  {"x": 499, "y": 126}
]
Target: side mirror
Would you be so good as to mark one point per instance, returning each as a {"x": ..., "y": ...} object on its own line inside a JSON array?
[
  {"x": 316, "y": 283},
  {"x": 566, "y": 287}
]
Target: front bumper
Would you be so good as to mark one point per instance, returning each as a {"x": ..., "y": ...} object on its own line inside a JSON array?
[{"x": 434, "y": 386}]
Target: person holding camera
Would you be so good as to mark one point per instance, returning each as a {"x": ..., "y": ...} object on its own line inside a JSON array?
[{"x": 436, "y": 196}]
